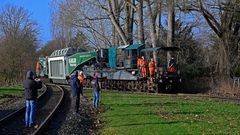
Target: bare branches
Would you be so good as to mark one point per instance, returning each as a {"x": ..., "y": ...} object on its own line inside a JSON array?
[
  {"x": 19, "y": 42},
  {"x": 131, "y": 4},
  {"x": 115, "y": 24},
  {"x": 74, "y": 16}
]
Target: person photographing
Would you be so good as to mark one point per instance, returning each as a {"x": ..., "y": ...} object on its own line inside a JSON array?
[{"x": 31, "y": 87}]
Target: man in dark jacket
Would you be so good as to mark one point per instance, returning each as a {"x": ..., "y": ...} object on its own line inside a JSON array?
[
  {"x": 31, "y": 87},
  {"x": 76, "y": 89}
]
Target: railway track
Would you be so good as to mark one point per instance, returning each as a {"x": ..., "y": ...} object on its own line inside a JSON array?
[
  {"x": 48, "y": 104},
  {"x": 11, "y": 114}
]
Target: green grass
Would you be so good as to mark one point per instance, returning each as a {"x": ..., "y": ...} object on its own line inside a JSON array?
[
  {"x": 11, "y": 91},
  {"x": 142, "y": 114}
]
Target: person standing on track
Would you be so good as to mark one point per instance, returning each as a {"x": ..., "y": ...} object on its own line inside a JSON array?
[
  {"x": 96, "y": 91},
  {"x": 31, "y": 87},
  {"x": 75, "y": 87}
]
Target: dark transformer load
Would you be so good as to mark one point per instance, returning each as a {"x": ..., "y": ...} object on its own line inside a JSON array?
[{"x": 116, "y": 67}]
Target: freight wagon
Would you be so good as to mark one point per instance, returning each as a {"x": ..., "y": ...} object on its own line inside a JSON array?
[{"x": 116, "y": 67}]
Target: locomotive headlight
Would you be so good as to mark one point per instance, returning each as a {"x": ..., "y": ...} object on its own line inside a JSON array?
[{"x": 133, "y": 72}]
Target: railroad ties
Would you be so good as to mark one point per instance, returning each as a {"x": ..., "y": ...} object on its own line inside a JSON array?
[{"x": 48, "y": 104}]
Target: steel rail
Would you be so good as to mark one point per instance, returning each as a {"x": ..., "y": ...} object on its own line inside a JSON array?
[
  {"x": 20, "y": 110},
  {"x": 50, "y": 116}
]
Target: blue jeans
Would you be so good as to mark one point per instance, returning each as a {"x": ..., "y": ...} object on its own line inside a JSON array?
[
  {"x": 96, "y": 98},
  {"x": 76, "y": 102},
  {"x": 139, "y": 72},
  {"x": 31, "y": 106}
]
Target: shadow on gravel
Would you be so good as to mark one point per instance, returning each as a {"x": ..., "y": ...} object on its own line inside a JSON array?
[
  {"x": 60, "y": 117},
  {"x": 46, "y": 97},
  {"x": 4, "y": 113},
  {"x": 67, "y": 123}
]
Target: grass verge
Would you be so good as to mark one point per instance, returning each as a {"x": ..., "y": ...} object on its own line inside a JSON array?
[
  {"x": 11, "y": 91},
  {"x": 143, "y": 114}
]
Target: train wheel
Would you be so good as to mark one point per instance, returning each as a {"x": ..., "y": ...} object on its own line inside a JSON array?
[
  {"x": 162, "y": 87},
  {"x": 120, "y": 85},
  {"x": 138, "y": 86},
  {"x": 135, "y": 85},
  {"x": 155, "y": 88}
]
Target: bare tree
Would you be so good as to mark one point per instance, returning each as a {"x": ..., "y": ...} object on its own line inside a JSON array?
[
  {"x": 160, "y": 27},
  {"x": 115, "y": 22},
  {"x": 140, "y": 22},
  {"x": 116, "y": 11},
  {"x": 170, "y": 27},
  {"x": 223, "y": 18},
  {"x": 152, "y": 14},
  {"x": 19, "y": 43},
  {"x": 129, "y": 15},
  {"x": 72, "y": 16}
]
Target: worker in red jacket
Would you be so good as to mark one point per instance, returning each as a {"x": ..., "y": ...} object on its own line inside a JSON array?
[{"x": 172, "y": 65}]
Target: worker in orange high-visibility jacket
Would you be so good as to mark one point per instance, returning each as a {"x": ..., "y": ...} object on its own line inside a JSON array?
[
  {"x": 139, "y": 61},
  {"x": 144, "y": 65},
  {"x": 81, "y": 79},
  {"x": 38, "y": 69},
  {"x": 151, "y": 66}
]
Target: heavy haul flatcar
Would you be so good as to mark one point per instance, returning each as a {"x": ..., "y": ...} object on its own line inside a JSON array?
[
  {"x": 116, "y": 67},
  {"x": 61, "y": 63}
]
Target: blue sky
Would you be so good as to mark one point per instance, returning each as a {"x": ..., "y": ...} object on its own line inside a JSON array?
[{"x": 40, "y": 12}]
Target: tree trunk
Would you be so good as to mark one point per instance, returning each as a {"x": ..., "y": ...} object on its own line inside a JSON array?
[
  {"x": 170, "y": 27},
  {"x": 116, "y": 24},
  {"x": 129, "y": 15},
  {"x": 140, "y": 22},
  {"x": 152, "y": 30},
  {"x": 116, "y": 12},
  {"x": 159, "y": 32},
  {"x": 131, "y": 19}
]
